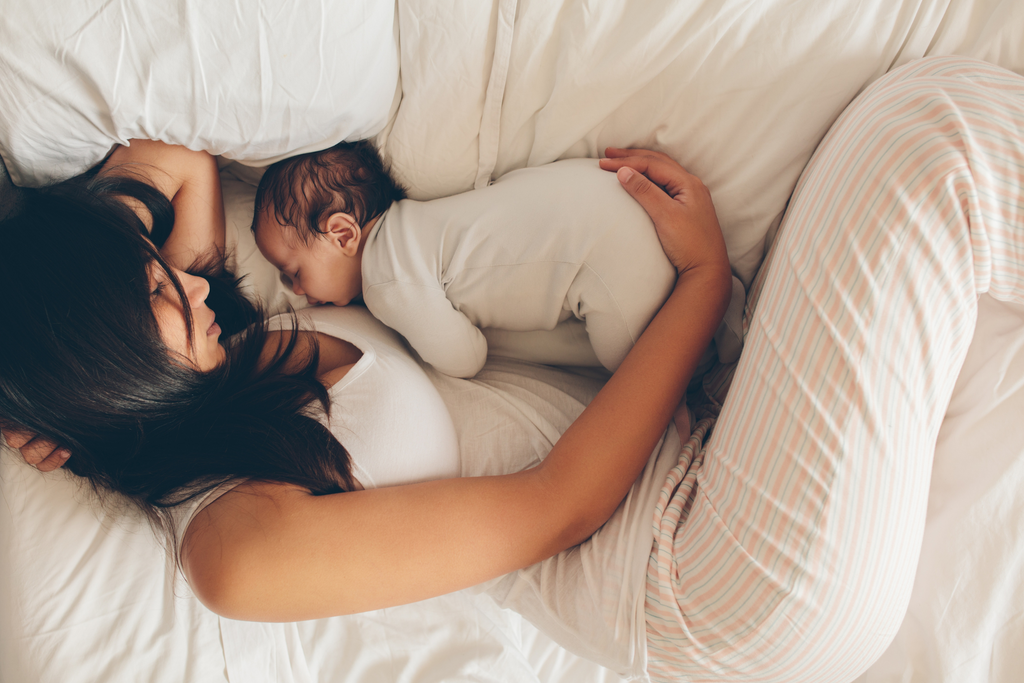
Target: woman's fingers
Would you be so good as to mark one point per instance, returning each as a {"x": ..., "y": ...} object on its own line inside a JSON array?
[
  {"x": 16, "y": 438},
  {"x": 659, "y": 168},
  {"x": 620, "y": 152},
  {"x": 678, "y": 203},
  {"x": 652, "y": 198},
  {"x": 55, "y": 460},
  {"x": 37, "y": 451}
]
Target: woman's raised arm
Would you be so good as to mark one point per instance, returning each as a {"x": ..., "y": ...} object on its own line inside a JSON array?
[
  {"x": 273, "y": 552},
  {"x": 192, "y": 183}
]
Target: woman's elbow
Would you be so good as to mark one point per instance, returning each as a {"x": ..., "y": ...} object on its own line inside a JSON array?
[{"x": 221, "y": 585}]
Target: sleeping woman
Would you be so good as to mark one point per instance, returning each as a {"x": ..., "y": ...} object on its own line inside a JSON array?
[{"x": 782, "y": 548}]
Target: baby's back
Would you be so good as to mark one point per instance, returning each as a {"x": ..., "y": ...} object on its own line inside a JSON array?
[
  {"x": 522, "y": 254},
  {"x": 528, "y": 232}
]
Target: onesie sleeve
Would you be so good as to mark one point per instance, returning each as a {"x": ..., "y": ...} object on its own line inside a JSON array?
[{"x": 436, "y": 330}]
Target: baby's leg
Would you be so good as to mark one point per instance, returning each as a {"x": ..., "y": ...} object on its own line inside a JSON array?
[
  {"x": 787, "y": 548},
  {"x": 567, "y": 344},
  {"x": 624, "y": 281}
]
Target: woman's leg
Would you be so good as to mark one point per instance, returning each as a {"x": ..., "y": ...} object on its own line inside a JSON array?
[{"x": 787, "y": 548}]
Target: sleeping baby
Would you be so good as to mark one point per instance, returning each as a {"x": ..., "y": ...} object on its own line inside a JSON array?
[{"x": 554, "y": 264}]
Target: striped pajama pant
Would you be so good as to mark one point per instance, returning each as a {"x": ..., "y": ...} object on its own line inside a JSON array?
[{"x": 786, "y": 544}]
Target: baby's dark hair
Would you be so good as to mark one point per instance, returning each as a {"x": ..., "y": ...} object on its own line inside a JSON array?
[{"x": 305, "y": 190}]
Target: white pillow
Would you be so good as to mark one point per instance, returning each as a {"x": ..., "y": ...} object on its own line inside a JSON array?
[{"x": 252, "y": 81}]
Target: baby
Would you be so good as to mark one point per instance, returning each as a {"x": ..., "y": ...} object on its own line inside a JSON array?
[{"x": 533, "y": 259}]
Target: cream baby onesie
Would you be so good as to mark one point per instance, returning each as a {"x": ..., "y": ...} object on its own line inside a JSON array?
[{"x": 537, "y": 248}]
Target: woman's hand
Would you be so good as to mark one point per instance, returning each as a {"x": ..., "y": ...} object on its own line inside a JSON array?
[
  {"x": 678, "y": 203},
  {"x": 37, "y": 451}
]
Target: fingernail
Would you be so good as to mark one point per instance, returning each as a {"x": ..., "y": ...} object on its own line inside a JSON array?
[{"x": 625, "y": 173}]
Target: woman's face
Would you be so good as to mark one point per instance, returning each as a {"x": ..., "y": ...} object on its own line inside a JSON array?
[{"x": 205, "y": 353}]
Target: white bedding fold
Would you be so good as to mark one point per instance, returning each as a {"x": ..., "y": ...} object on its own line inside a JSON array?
[{"x": 738, "y": 91}]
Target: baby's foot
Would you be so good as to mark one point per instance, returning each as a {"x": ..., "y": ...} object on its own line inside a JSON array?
[{"x": 683, "y": 419}]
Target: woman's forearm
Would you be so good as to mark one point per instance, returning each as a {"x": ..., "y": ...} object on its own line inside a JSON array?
[
  {"x": 605, "y": 449},
  {"x": 192, "y": 182}
]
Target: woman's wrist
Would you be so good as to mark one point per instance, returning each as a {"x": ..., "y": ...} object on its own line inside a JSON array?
[{"x": 708, "y": 282}]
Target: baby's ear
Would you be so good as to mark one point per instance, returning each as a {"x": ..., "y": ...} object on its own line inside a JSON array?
[{"x": 343, "y": 230}]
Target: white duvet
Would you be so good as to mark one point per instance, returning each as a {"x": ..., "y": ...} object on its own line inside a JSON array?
[{"x": 739, "y": 91}]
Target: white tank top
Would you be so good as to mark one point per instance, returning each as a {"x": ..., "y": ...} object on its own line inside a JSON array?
[{"x": 385, "y": 411}]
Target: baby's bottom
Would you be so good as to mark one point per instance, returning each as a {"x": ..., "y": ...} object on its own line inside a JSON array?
[
  {"x": 786, "y": 546},
  {"x": 612, "y": 301}
]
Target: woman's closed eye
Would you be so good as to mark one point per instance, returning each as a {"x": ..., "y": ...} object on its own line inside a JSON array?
[{"x": 157, "y": 281}]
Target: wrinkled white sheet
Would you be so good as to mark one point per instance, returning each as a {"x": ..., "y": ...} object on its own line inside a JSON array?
[
  {"x": 254, "y": 80},
  {"x": 738, "y": 91}
]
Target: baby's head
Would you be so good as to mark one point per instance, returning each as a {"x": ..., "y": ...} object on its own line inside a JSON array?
[{"x": 312, "y": 213}]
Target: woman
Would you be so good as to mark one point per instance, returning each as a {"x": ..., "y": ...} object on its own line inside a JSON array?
[
  {"x": 785, "y": 546},
  {"x": 532, "y": 524}
]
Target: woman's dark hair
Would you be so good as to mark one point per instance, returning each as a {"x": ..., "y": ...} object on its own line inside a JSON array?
[
  {"x": 82, "y": 361},
  {"x": 304, "y": 190}
]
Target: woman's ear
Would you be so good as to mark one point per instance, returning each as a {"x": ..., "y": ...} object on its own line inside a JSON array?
[{"x": 343, "y": 230}]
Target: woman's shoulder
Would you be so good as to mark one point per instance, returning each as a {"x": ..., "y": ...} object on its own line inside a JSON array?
[{"x": 182, "y": 515}]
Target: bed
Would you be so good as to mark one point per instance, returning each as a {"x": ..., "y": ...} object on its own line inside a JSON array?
[{"x": 458, "y": 93}]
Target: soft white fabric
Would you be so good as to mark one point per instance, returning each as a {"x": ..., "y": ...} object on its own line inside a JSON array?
[
  {"x": 253, "y": 81},
  {"x": 740, "y": 92},
  {"x": 90, "y": 594},
  {"x": 539, "y": 246}
]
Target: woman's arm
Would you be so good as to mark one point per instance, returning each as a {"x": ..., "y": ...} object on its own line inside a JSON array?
[
  {"x": 192, "y": 182},
  {"x": 274, "y": 552}
]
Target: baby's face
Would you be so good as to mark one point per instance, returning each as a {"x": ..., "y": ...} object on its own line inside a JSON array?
[{"x": 318, "y": 270}]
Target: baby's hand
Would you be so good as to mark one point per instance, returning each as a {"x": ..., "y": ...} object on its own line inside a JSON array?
[
  {"x": 678, "y": 203},
  {"x": 37, "y": 451}
]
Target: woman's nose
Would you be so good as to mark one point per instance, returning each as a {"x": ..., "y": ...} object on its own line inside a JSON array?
[{"x": 196, "y": 288}]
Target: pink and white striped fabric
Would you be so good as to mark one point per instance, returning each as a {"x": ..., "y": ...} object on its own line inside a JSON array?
[{"x": 785, "y": 546}]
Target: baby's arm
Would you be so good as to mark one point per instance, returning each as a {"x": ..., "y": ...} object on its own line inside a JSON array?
[{"x": 440, "y": 334}]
